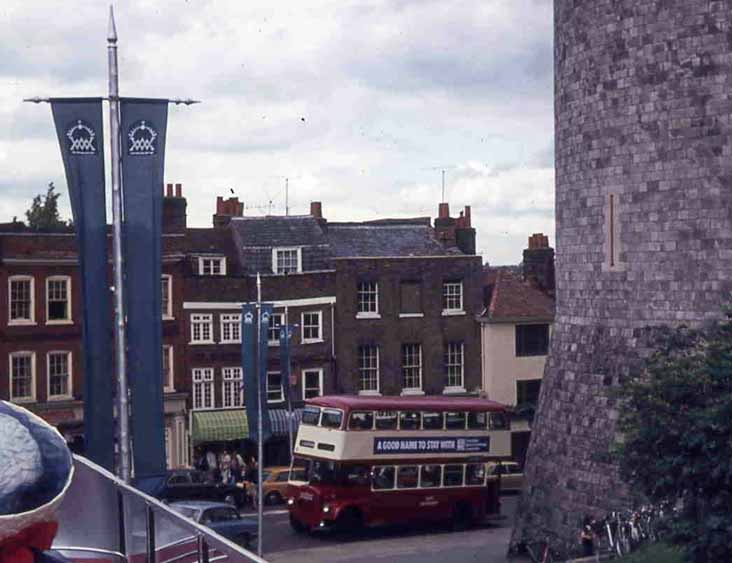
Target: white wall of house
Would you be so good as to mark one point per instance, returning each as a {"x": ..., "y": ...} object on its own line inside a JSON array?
[{"x": 501, "y": 368}]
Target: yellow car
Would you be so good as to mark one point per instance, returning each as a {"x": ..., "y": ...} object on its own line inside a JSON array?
[{"x": 274, "y": 485}]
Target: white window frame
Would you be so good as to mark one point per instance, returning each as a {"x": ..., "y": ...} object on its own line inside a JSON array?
[
  {"x": 168, "y": 448},
  {"x": 282, "y": 389},
  {"x": 25, "y": 399},
  {"x": 32, "y": 319},
  {"x": 362, "y": 391},
  {"x": 412, "y": 390},
  {"x": 367, "y": 314},
  {"x": 202, "y": 319},
  {"x": 232, "y": 319},
  {"x": 202, "y": 265},
  {"x": 167, "y": 308},
  {"x": 68, "y": 320},
  {"x": 296, "y": 249},
  {"x": 319, "y": 371},
  {"x": 204, "y": 379},
  {"x": 319, "y": 338},
  {"x": 271, "y": 325},
  {"x": 169, "y": 378},
  {"x": 455, "y": 388},
  {"x": 460, "y": 310},
  {"x": 69, "y": 375},
  {"x": 232, "y": 376}
]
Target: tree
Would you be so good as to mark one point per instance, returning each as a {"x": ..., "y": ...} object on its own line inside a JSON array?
[
  {"x": 676, "y": 445},
  {"x": 43, "y": 212}
]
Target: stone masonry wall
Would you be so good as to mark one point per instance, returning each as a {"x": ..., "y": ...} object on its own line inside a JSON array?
[{"x": 643, "y": 97}]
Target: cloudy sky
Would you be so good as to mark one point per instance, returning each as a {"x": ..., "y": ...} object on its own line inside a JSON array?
[{"x": 360, "y": 104}]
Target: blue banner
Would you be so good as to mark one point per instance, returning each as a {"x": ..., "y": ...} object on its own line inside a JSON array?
[
  {"x": 142, "y": 128},
  {"x": 78, "y": 124},
  {"x": 265, "y": 315},
  {"x": 250, "y": 346}
]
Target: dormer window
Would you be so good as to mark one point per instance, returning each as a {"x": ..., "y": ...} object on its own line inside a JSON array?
[
  {"x": 286, "y": 260},
  {"x": 211, "y": 266}
]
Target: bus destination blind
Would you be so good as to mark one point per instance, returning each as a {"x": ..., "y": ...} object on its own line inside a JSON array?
[{"x": 472, "y": 444}]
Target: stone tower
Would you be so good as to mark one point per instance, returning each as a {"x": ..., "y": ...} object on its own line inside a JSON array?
[{"x": 643, "y": 102}]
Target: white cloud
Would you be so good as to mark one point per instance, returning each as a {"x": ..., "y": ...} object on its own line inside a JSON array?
[{"x": 358, "y": 103}]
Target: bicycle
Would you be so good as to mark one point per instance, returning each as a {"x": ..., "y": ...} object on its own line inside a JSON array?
[{"x": 540, "y": 550}]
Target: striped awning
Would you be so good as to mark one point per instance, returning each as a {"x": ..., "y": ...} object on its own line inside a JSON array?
[
  {"x": 219, "y": 426},
  {"x": 278, "y": 419}
]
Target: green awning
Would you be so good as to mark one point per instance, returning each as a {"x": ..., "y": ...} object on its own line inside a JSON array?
[{"x": 219, "y": 426}]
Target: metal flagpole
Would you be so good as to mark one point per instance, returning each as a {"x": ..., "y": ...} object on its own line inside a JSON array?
[
  {"x": 119, "y": 303},
  {"x": 260, "y": 429}
]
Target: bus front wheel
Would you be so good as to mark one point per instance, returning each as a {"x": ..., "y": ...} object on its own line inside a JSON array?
[
  {"x": 349, "y": 521},
  {"x": 298, "y": 526}
]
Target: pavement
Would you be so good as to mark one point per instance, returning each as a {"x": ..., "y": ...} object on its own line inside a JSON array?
[{"x": 486, "y": 543}]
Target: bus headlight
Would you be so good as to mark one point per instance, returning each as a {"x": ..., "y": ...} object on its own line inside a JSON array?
[
  {"x": 290, "y": 501},
  {"x": 326, "y": 509}
]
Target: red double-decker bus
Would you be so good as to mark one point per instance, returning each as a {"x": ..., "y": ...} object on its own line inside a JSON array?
[{"x": 371, "y": 461}]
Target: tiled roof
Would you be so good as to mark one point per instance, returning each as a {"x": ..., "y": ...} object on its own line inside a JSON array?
[
  {"x": 269, "y": 231},
  {"x": 513, "y": 299},
  {"x": 380, "y": 239}
]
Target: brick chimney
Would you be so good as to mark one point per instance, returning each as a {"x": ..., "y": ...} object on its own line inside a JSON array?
[
  {"x": 174, "y": 209},
  {"x": 455, "y": 232},
  {"x": 226, "y": 209},
  {"x": 316, "y": 211},
  {"x": 538, "y": 264}
]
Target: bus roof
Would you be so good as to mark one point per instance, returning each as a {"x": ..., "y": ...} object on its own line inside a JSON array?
[{"x": 428, "y": 403}]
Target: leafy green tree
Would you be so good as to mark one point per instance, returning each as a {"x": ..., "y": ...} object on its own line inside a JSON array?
[
  {"x": 676, "y": 445},
  {"x": 43, "y": 212}
]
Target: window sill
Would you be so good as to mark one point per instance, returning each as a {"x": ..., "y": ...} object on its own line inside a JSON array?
[
  {"x": 201, "y": 342},
  {"x": 270, "y": 401},
  {"x": 230, "y": 342},
  {"x": 370, "y": 393},
  {"x": 52, "y": 398},
  {"x": 412, "y": 392},
  {"x": 273, "y": 343},
  {"x": 60, "y": 322},
  {"x": 313, "y": 341},
  {"x": 411, "y": 315},
  {"x": 21, "y": 323},
  {"x": 368, "y": 316},
  {"x": 22, "y": 400},
  {"x": 168, "y": 390},
  {"x": 453, "y": 312},
  {"x": 452, "y": 390},
  {"x": 168, "y": 318}
]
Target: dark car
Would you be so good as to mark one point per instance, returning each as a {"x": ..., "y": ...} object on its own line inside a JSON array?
[
  {"x": 188, "y": 484},
  {"x": 222, "y": 518}
]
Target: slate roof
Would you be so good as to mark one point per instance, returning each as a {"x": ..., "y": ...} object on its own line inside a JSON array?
[
  {"x": 513, "y": 299},
  {"x": 269, "y": 231},
  {"x": 379, "y": 239}
]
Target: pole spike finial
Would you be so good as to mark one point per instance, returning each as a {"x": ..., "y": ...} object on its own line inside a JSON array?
[{"x": 112, "y": 32}]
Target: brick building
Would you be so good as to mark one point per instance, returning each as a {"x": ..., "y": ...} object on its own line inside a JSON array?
[{"x": 385, "y": 306}]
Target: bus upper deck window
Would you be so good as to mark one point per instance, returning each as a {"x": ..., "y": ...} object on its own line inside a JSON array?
[
  {"x": 361, "y": 420},
  {"x": 477, "y": 420},
  {"x": 409, "y": 420},
  {"x": 498, "y": 421},
  {"x": 311, "y": 415},
  {"x": 386, "y": 420},
  {"x": 432, "y": 421},
  {"x": 331, "y": 418},
  {"x": 455, "y": 420}
]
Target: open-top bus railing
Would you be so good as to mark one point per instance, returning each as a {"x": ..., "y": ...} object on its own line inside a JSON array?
[{"x": 102, "y": 519}]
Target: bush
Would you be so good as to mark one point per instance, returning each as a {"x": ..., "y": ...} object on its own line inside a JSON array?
[{"x": 655, "y": 553}]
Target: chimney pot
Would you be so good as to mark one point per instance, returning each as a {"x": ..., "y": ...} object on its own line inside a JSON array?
[
  {"x": 444, "y": 211},
  {"x": 178, "y": 190},
  {"x": 316, "y": 209},
  {"x": 169, "y": 190}
]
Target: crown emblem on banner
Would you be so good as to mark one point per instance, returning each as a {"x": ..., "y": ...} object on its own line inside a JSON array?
[
  {"x": 248, "y": 318},
  {"x": 141, "y": 139},
  {"x": 81, "y": 138}
]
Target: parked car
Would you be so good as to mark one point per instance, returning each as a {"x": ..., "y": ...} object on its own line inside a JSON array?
[
  {"x": 188, "y": 484},
  {"x": 512, "y": 476},
  {"x": 274, "y": 484},
  {"x": 222, "y": 518}
]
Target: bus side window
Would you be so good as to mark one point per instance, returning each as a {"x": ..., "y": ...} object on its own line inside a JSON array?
[
  {"x": 383, "y": 477},
  {"x": 475, "y": 474},
  {"x": 386, "y": 420},
  {"x": 453, "y": 476},
  {"x": 477, "y": 420},
  {"x": 361, "y": 420},
  {"x": 430, "y": 476},
  {"x": 407, "y": 477},
  {"x": 432, "y": 421},
  {"x": 455, "y": 420},
  {"x": 409, "y": 420}
]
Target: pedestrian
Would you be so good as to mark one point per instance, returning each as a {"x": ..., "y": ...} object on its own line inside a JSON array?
[{"x": 587, "y": 537}]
